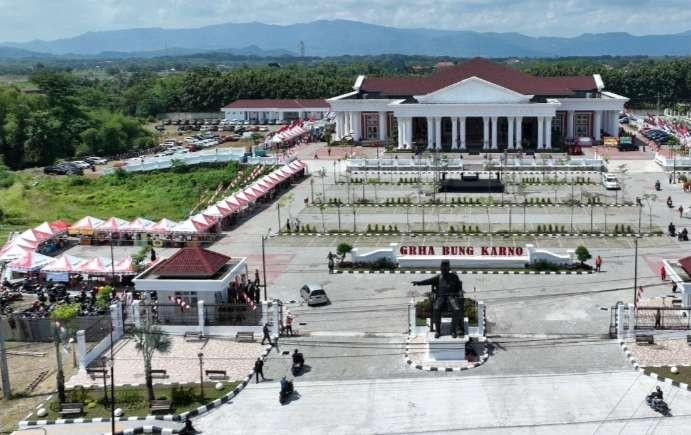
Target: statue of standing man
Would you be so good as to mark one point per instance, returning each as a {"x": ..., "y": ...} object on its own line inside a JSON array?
[{"x": 448, "y": 296}]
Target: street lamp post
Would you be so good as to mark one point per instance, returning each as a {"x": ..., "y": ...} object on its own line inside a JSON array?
[
  {"x": 201, "y": 374},
  {"x": 264, "y": 238}
]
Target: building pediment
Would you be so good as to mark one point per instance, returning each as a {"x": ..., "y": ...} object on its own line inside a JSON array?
[{"x": 473, "y": 90}]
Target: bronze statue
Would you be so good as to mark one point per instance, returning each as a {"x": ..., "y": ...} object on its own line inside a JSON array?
[{"x": 447, "y": 293}]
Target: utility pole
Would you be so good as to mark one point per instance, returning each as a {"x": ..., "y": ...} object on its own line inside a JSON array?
[
  {"x": 4, "y": 373},
  {"x": 58, "y": 355},
  {"x": 635, "y": 272}
]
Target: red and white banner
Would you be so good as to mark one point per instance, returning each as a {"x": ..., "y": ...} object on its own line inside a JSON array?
[
  {"x": 180, "y": 302},
  {"x": 248, "y": 300}
]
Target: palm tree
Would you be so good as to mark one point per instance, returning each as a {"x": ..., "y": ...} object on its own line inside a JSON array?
[{"x": 148, "y": 340}]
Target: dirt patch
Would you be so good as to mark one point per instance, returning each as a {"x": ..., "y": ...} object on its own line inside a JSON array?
[{"x": 29, "y": 362}]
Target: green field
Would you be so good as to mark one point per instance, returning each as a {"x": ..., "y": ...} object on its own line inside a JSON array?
[{"x": 33, "y": 199}]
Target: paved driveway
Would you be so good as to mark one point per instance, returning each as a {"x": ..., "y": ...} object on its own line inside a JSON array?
[{"x": 606, "y": 402}]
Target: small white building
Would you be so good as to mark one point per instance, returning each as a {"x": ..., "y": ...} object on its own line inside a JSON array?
[
  {"x": 193, "y": 274},
  {"x": 263, "y": 110},
  {"x": 477, "y": 105}
]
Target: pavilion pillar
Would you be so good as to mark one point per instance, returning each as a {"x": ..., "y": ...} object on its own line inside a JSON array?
[
  {"x": 597, "y": 125},
  {"x": 571, "y": 123},
  {"x": 408, "y": 132},
  {"x": 494, "y": 132},
  {"x": 614, "y": 123},
  {"x": 485, "y": 132},
  {"x": 401, "y": 132},
  {"x": 454, "y": 132},
  {"x": 356, "y": 120},
  {"x": 548, "y": 132},
  {"x": 540, "y": 132},
  {"x": 509, "y": 141},
  {"x": 430, "y": 132},
  {"x": 519, "y": 133},
  {"x": 340, "y": 125},
  {"x": 437, "y": 133},
  {"x": 382, "y": 126},
  {"x": 462, "y": 133}
]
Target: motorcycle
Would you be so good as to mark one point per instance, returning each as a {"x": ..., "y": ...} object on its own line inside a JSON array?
[
  {"x": 669, "y": 203},
  {"x": 657, "y": 186},
  {"x": 658, "y": 405},
  {"x": 298, "y": 363},
  {"x": 287, "y": 390}
]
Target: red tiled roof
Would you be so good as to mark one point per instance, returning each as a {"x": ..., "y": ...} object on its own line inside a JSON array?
[
  {"x": 501, "y": 75},
  {"x": 192, "y": 262},
  {"x": 279, "y": 104},
  {"x": 685, "y": 263}
]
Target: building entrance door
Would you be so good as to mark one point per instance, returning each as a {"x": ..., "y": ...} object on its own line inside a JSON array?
[{"x": 473, "y": 133}]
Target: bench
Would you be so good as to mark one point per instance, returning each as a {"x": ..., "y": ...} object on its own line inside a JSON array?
[
  {"x": 160, "y": 405},
  {"x": 71, "y": 409},
  {"x": 193, "y": 336},
  {"x": 159, "y": 373},
  {"x": 645, "y": 338},
  {"x": 97, "y": 372},
  {"x": 216, "y": 374},
  {"x": 246, "y": 337}
]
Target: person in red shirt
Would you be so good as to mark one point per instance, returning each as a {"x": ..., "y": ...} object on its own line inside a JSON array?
[
  {"x": 598, "y": 263},
  {"x": 663, "y": 273},
  {"x": 289, "y": 324}
]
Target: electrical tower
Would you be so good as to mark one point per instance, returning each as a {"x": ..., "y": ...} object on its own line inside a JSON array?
[{"x": 302, "y": 48}]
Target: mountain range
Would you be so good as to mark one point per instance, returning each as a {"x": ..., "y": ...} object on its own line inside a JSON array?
[{"x": 341, "y": 37}]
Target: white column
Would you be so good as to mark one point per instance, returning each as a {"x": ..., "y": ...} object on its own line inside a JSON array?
[
  {"x": 540, "y": 132},
  {"x": 509, "y": 141},
  {"x": 200, "y": 316},
  {"x": 462, "y": 133},
  {"x": 382, "y": 126},
  {"x": 548, "y": 132},
  {"x": 571, "y": 124},
  {"x": 494, "y": 132},
  {"x": 340, "y": 128},
  {"x": 408, "y": 132},
  {"x": 437, "y": 132},
  {"x": 597, "y": 125},
  {"x": 430, "y": 132},
  {"x": 281, "y": 115},
  {"x": 401, "y": 132},
  {"x": 454, "y": 132},
  {"x": 519, "y": 132},
  {"x": 81, "y": 349},
  {"x": 137, "y": 314},
  {"x": 481, "y": 317},
  {"x": 614, "y": 123},
  {"x": 357, "y": 125},
  {"x": 485, "y": 132}
]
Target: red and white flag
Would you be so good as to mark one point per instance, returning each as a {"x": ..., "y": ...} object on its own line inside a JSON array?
[
  {"x": 180, "y": 302},
  {"x": 248, "y": 300}
]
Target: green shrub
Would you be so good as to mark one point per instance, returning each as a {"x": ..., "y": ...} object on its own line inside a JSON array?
[
  {"x": 182, "y": 396},
  {"x": 129, "y": 397}
]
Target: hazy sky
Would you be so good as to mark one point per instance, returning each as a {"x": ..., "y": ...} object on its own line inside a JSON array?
[{"x": 23, "y": 20}]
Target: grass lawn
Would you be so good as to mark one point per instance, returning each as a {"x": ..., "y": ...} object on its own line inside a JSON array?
[
  {"x": 684, "y": 374},
  {"x": 33, "y": 198},
  {"x": 132, "y": 400}
]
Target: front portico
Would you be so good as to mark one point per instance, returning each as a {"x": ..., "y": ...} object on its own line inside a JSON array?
[{"x": 478, "y": 105}]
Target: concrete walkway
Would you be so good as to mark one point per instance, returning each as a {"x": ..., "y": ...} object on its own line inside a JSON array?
[{"x": 605, "y": 402}]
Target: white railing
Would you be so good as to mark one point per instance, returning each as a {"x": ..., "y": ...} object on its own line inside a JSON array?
[{"x": 218, "y": 155}]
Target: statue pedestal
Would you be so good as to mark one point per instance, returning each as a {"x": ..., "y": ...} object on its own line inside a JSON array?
[{"x": 445, "y": 348}]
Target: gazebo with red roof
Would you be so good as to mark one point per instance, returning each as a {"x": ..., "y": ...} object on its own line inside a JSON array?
[
  {"x": 194, "y": 274},
  {"x": 477, "y": 105}
]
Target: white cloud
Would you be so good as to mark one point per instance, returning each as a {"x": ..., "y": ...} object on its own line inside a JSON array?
[{"x": 23, "y": 20}]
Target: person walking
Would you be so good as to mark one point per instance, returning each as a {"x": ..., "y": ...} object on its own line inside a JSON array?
[
  {"x": 289, "y": 324},
  {"x": 657, "y": 318},
  {"x": 331, "y": 262},
  {"x": 663, "y": 273},
  {"x": 681, "y": 211},
  {"x": 598, "y": 263},
  {"x": 266, "y": 334},
  {"x": 258, "y": 370},
  {"x": 288, "y": 224}
]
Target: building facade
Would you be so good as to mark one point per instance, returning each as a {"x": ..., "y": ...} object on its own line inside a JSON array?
[
  {"x": 263, "y": 110},
  {"x": 477, "y": 105}
]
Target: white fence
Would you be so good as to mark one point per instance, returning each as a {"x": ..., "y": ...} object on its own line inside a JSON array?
[
  {"x": 405, "y": 164},
  {"x": 583, "y": 164},
  {"x": 86, "y": 358},
  {"x": 217, "y": 155},
  {"x": 669, "y": 164}
]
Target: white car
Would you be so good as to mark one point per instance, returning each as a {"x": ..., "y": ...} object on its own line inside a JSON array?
[
  {"x": 96, "y": 160},
  {"x": 81, "y": 164},
  {"x": 610, "y": 182},
  {"x": 313, "y": 294}
]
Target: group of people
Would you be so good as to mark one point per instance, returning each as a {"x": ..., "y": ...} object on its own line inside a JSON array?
[{"x": 252, "y": 288}]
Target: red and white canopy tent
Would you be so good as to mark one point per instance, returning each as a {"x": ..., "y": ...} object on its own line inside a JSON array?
[
  {"x": 112, "y": 225},
  {"x": 139, "y": 225},
  {"x": 64, "y": 263},
  {"x": 163, "y": 226},
  {"x": 95, "y": 266},
  {"x": 30, "y": 262},
  {"x": 124, "y": 267},
  {"x": 85, "y": 226},
  {"x": 12, "y": 251}
]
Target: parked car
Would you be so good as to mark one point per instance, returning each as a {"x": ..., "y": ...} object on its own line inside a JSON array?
[
  {"x": 610, "y": 182},
  {"x": 313, "y": 294},
  {"x": 96, "y": 160},
  {"x": 81, "y": 164},
  {"x": 63, "y": 169}
]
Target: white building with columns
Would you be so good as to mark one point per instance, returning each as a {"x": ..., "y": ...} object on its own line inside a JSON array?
[
  {"x": 477, "y": 105},
  {"x": 262, "y": 110}
]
